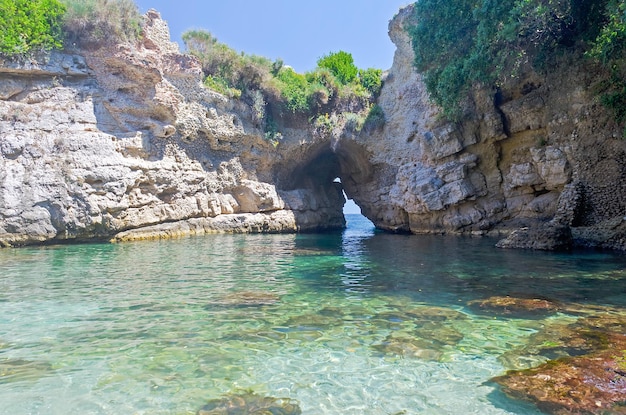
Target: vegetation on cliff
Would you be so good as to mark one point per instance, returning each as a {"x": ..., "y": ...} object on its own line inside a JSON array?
[
  {"x": 30, "y": 26},
  {"x": 335, "y": 90},
  {"x": 92, "y": 23},
  {"x": 461, "y": 43}
]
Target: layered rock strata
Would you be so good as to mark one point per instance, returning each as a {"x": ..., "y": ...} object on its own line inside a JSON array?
[
  {"x": 540, "y": 156},
  {"x": 124, "y": 142}
]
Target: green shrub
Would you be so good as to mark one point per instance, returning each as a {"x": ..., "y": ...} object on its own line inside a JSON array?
[
  {"x": 371, "y": 79},
  {"x": 219, "y": 85},
  {"x": 294, "y": 89},
  {"x": 353, "y": 122},
  {"x": 324, "y": 124},
  {"x": 30, "y": 25},
  {"x": 95, "y": 23},
  {"x": 613, "y": 96},
  {"x": 325, "y": 78},
  {"x": 227, "y": 67},
  {"x": 273, "y": 88},
  {"x": 608, "y": 46},
  {"x": 271, "y": 131},
  {"x": 341, "y": 64}
]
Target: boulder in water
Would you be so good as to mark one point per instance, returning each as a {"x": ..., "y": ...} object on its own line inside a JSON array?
[{"x": 515, "y": 306}]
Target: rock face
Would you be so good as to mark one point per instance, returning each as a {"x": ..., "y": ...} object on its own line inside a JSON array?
[
  {"x": 539, "y": 150},
  {"x": 125, "y": 143}
]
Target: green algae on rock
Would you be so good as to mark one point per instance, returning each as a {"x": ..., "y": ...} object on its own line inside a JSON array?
[{"x": 590, "y": 384}]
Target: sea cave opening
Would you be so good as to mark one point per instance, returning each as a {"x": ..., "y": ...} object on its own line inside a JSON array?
[{"x": 332, "y": 176}]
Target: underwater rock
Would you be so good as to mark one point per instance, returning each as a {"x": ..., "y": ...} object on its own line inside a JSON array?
[
  {"x": 587, "y": 374},
  {"x": 425, "y": 342},
  {"x": 439, "y": 334},
  {"x": 250, "y": 404},
  {"x": 255, "y": 336},
  {"x": 410, "y": 347},
  {"x": 514, "y": 306},
  {"x": 587, "y": 335},
  {"x": 417, "y": 316},
  {"x": 430, "y": 313},
  {"x": 420, "y": 332},
  {"x": 247, "y": 299},
  {"x": 553, "y": 342},
  {"x": 311, "y": 322},
  {"x": 590, "y": 384},
  {"x": 18, "y": 370}
]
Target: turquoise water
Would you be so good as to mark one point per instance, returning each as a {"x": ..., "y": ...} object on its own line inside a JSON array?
[{"x": 358, "y": 322}]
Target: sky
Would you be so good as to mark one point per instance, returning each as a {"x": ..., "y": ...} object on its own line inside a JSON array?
[{"x": 297, "y": 31}]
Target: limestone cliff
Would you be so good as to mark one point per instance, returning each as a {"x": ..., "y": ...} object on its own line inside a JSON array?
[
  {"x": 124, "y": 142},
  {"x": 541, "y": 154}
]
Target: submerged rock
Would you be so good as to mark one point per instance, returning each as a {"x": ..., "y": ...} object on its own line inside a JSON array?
[
  {"x": 514, "y": 306},
  {"x": 587, "y": 374},
  {"x": 406, "y": 346},
  {"x": 306, "y": 322},
  {"x": 586, "y": 336},
  {"x": 250, "y": 404},
  {"x": 19, "y": 370},
  {"x": 552, "y": 236},
  {"x": 590, "y": 384}
]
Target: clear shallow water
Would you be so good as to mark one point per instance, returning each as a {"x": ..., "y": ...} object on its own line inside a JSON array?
[{"x": 350, "y": 323}]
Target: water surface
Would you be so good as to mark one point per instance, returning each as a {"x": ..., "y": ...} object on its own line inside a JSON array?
[{"x": 350, "y": 323}]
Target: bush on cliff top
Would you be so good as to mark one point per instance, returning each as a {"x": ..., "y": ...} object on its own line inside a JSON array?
[
  {"x": 93, "y": 23},
  {"x": 274, "y": 89},
  {"x": 34, "y": 25},
  {"x": 238, "y": 75},
  {"x": 30, "y": 25},
  {"x": 459, "y": 43}
]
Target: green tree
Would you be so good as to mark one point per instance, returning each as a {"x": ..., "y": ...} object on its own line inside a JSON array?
[
  {"x": 341, "y": 64},
  {"x": 30, "y": 25}
]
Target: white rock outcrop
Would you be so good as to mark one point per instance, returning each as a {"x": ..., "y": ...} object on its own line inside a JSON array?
[{"x": 125, "y": 142}]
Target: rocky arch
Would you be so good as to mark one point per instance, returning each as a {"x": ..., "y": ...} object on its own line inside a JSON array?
[{"x": 311, "y": 175}]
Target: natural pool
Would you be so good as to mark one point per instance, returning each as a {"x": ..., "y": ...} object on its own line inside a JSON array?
[{"x": 350, "y": 323}]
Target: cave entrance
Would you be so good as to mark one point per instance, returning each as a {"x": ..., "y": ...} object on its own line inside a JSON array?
[{"x": 330, "y": 176}]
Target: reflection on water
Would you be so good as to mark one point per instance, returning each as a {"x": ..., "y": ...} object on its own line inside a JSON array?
[{"x": 359, "y": 322}]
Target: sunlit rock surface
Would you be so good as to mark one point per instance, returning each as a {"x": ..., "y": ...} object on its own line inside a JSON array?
[
  {"x": 540, "y": 154},
  {"x": 125, "y": 143}
]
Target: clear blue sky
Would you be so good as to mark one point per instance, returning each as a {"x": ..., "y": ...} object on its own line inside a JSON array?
[{"x": 296, "y": 31}]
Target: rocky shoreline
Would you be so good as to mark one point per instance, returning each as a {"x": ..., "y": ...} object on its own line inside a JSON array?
[{"x": 124, "y": 142}]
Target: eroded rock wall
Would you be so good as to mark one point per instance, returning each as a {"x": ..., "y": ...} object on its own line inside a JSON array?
[
  {"x": 506, "y": 165},
  {"x": 124, "y": 142}
]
